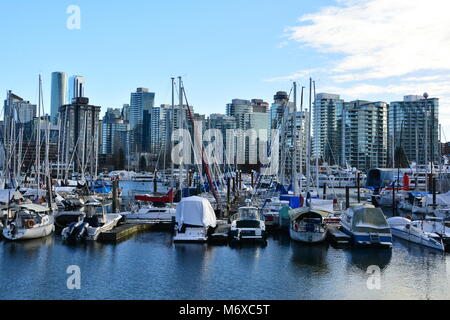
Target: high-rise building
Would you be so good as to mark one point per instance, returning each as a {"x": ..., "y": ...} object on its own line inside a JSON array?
[
  {"x": 76, "y": 87},
  {"x": 409, "y": 124},
  {"x": 58, "y": 94},
  {"x": 364, "y": 136},
  {"x": 79, "y": 135},
  {"x": 327, "y": 109},
  {"x": 281, "y": 106},
  {"x": 141, "y": 101},
  {"x": 115, "y": 133},
  {"x": 251, "y": 117}
]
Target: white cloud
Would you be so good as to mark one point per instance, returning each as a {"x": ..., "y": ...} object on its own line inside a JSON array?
[
  {"x": 295, "y": 76},
  {"x": 381, "y": 49},
  {"x": 379, "y": 38}
]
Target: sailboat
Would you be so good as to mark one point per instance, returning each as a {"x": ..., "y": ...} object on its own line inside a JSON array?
[
  {"x": 308, "y": 225},
  {"x": 29, "y": 220}
]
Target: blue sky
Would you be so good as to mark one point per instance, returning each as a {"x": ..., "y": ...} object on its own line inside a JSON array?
[{"x": 367, "y": 49}]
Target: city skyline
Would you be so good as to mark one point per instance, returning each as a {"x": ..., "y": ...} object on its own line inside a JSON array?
[{"x": 230, "y": 58}]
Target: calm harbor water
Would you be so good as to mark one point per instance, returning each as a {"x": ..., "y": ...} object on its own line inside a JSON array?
[{"x": 150, "y": 266}]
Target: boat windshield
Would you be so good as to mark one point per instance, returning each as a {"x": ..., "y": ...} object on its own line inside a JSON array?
[{"x": 248, "y": 214}]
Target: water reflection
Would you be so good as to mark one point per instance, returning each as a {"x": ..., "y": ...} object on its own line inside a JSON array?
[
  {"x": 310, "y": 255},
  {"x": 362, "y": 257}
]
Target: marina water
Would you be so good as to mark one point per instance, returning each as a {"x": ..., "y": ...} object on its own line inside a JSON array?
[{"x": 150, "y": 266}]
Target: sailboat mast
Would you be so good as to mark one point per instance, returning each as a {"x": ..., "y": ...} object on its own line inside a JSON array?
[
  {"x": 316, "y": 139},
  {"x": 172, "y": 123},
  {"x": 38, "y": 140},
  {"x": 301, "y": 141},
  {"x": 294, "y": 176},
  {"x": 180, "y": 125},
  {"x": 308, "y": 141}
]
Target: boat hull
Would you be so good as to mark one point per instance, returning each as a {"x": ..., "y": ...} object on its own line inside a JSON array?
[
  {"x": 399, "y": 232},
  {"x": 307, "y": 237},
  {"x": 27, "y": 234},
  {"x": 191, "y": 235}
]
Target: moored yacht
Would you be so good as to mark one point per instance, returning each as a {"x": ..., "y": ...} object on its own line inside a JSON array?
[
  {"x": 195, "y": 220},
  {"x": 412, "y": 231},
  {"x": 308, "y": 225},
  {"x": 92, "y": 225},
  {"x": 366, "y": 225},
  {"x": 247, "y": 224},
  {"x": 31, "y": 221}
]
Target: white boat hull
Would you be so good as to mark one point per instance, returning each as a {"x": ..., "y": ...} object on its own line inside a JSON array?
[
  {"x": 307, "y": 237},
  {"x": 27, "y": 234},
  {"x": 111, "y": 222},
  {"x": 423, "y": 240},
  {"x": 191, "y": 235}
]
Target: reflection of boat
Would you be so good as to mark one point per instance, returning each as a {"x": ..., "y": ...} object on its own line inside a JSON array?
[
  {"x": 303, "y": 254},
  {"x": 247, "y": 224},
  {"x": 363, "y": 259},
  {"x": 366, "y": 225},
  {"x": 195, "y": 218},
  {"x": 31, "y": 221},
  {"x": 412, "y": 231},
  {"x": 307, "y": 225}
]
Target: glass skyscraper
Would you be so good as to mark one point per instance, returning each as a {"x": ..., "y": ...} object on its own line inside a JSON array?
[{"x": 58, "y": 94}]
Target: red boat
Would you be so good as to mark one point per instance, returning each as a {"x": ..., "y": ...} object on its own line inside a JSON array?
[{"x": 147, "y": 198}]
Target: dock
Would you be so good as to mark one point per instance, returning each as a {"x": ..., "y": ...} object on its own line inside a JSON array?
[
  {"x": 126, "y": 231},
  {"x": 220, "y": 236},
  {"x": 337, "y": 236}
]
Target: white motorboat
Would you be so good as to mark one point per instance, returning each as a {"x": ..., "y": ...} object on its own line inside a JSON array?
[
  {"x": 412, "y": 231},
  {"x": 150, "y": 214},
  {"x": 366, "y": 225},
  {"x": 92, "y": 225},
  {"x": 31, "y": 221},
  {"x": 195, "y": 219},
  {"x": 308, "y": 225},
  {"x": 247, "y": 224}
]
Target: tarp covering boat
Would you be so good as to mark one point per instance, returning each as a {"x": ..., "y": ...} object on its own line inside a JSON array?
[
  {"x": 297, "y": 213},
  {"x": 366, "y": 219},
  {"x": 195, "y": 211}
]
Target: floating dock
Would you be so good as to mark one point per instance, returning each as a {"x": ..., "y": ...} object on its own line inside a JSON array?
[
  {"x": 337, "y": 236},
  {"x": 125, "y": 231},
  {"x": 220, "y": 236}
]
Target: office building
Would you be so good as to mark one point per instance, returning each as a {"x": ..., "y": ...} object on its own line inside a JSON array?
[
  {"x": 79, "y": 135},
  {"x": 410, "y": 127},
  {"x": 58, "y": 94}
]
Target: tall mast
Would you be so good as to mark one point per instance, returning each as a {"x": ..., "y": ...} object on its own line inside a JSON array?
[
  {"x": 180, "y": 127},
  {"x": 308, "y": 141},
  {"x": 294, "y": 176},
  {"x": 301, "y": 142},
  {"x": 316, "y": 139},
  {"x": 38, "y": 140},
  {"x": 426, "y": 146},
  {"x": 172, "y": 123}
]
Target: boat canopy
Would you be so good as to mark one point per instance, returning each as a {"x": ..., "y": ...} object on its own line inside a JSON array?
[
  {"x": 367, "y": 217},
  {"x": 195, "y": 211},
  {"x": 34, "y": 207},
  {"x": 297, "y": 213}
]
